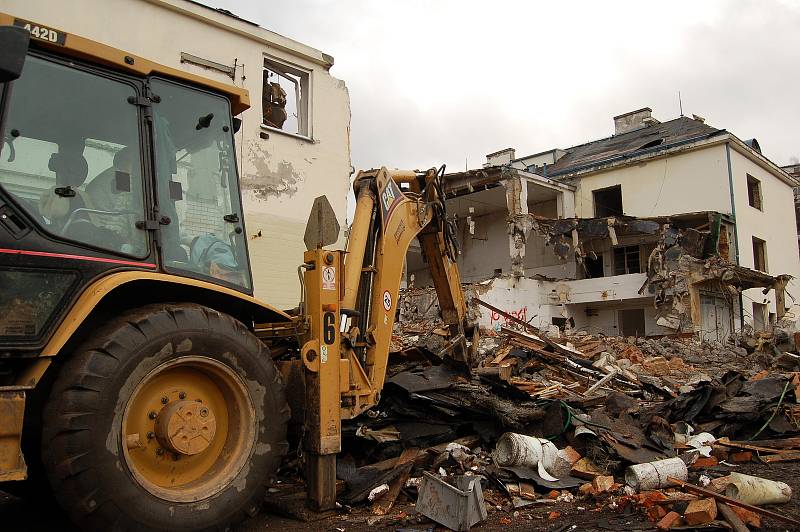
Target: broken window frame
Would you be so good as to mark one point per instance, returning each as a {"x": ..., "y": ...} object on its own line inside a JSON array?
[
  {"x": 760, "y": 254},
  {"x": 754, "y": 196},
  {"x": 300, "y": 79},
  {"x": 626, "y": 252},
  {"x": 598, "y": 213}
]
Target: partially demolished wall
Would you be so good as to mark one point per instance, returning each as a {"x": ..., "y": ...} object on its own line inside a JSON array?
[{"x": 688, "y": 267}]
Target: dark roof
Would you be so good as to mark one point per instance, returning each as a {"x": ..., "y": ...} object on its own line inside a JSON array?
[{"x": 650, "y": 139}]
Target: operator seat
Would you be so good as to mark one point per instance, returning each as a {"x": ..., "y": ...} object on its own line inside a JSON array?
[{"x": 62, "y": 199}]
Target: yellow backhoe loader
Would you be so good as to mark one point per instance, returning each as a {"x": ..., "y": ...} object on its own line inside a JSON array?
[{"x": 140, "y": 380}]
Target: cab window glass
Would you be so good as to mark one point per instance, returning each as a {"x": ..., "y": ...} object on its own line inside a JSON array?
[
  {"x": 197, "y": 186},
  {"x": 70, "y": 156}
]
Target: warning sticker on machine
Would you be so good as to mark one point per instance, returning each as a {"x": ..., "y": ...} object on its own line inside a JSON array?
[
  {"x": 387, "y": 300},
  {"x": 329, "y": 278}
]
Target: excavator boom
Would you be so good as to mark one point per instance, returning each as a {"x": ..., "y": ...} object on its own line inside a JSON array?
[{"x": 347, "y": 350}]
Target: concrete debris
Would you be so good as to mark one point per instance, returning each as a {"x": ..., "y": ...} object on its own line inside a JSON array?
[{"x": 543, "y": 424}]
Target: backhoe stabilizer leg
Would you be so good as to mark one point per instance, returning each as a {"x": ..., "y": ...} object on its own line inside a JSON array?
[
  {"x": 321, "y": 480},
  {"x": 321, "y": 358}
]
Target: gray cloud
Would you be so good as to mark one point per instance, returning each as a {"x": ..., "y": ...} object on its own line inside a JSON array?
[{"x": 441, "y": 82}]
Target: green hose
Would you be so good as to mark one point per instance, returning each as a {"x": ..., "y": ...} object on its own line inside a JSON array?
[{"x": 780, "y": 401}]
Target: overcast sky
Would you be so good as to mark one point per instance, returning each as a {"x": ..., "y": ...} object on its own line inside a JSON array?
[{"x": 435, "y": 82}]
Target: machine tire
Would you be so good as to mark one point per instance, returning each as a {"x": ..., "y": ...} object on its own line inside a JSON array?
[{"x": 83, "y": 451}]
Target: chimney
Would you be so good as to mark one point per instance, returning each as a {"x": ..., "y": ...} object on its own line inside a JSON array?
[
  {"x": 500, "y": 158},
  {"x": 633, "y": 120}
]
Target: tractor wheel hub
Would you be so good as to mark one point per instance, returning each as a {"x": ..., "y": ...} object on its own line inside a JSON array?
[{"x": 185, "y": 427}]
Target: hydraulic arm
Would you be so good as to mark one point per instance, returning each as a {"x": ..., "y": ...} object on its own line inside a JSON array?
[{"x": 351, "y": 313}]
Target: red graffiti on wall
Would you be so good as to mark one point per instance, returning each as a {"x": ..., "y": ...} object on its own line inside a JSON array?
[{"x": 520, "y": 314}]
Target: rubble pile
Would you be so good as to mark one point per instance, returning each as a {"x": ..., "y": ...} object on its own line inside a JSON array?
[{"x": 671, "y": 431}]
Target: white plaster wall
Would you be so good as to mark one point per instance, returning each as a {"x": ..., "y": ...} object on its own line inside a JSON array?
[
  {"x": 537, "y": 302},
  {"x": 282, "y": 174},
  {"x": 523, "y": 298},
  {"x": 775, "y": 225},
  {"x": 481, "y": 253},
  {"x": 600, "y": 289},
  {"x": 687, "y": 182},
  {"x": 607, "y": 319}
]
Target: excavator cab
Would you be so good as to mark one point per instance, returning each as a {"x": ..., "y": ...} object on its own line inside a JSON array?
[{"x": 131, "y": 383}]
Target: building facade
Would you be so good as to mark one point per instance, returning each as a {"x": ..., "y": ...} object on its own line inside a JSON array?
[
  {"x": 592, "y": 224},
  {"x": 294, "y": 142}
]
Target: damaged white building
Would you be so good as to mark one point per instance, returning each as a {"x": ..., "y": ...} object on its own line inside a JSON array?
[{"x": 662, "y": 227}]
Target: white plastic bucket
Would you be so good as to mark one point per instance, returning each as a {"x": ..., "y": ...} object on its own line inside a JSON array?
[
  {"x": 653, "y": 475},
  {"x": 756, "y": 490}
]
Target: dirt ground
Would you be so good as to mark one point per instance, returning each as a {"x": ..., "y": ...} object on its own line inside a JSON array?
[{"x": 588, "y": 515}]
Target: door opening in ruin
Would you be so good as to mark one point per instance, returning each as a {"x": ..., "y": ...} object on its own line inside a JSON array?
[
  {"x": 716, "y": 319},
  {"x": 631, "y": 322},
  {"x": 759, "y": 316}
]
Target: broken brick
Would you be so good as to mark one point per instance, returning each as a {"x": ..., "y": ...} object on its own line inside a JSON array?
[
  {"x": 585, "y": 469},
  {"x": 656, "y": 513},
  {"x": 668, "y": 521},
  {"x": 703, "y": 462},
  {"x": 587, "y": 489},
  {"x": 553, "y": 494},
  {"x": 649, "y": 498},
  {"x": 602, "y": 483},
  {"x": 553, "y": 515},
  {"x": 700, "y": 511},
  {"x": 750, "y": 518}
]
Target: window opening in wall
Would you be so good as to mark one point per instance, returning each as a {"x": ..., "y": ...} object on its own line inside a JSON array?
[
  {"x": 631, "y": 322},
  {"x": 627, "y": 259},
  {"x": 608, "y": 201},
  {"x": 754, "y": 192},
  {"x": 562, "y": 323},
  {"x": 759, "y": 316},
  {"x": 759, "y": 254},
  {"x": 285, "y": 98},
  {"x": 593, "y": 264}
]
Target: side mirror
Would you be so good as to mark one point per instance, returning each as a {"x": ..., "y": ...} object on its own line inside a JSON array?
[{"x": 13, "y": 48}]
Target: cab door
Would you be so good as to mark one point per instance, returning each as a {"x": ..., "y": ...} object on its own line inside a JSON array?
[{"x": 197, "y": 186}]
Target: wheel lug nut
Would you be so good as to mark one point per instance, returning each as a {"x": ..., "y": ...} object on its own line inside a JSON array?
[
  {"x": 182, "y": 395},
  {"x": 151, "y": 435},
  {"x": 204, "y": 412},
  {"x": 164, "y": 400},
  {"x": 159, "y": 451},
  {"x": 152, "y": 415}
]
